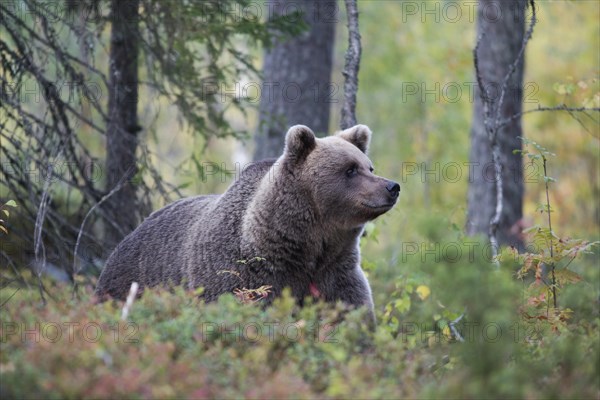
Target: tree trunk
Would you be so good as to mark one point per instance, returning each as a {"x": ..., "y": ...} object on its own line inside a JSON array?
[
  {"x": 502, "y": 23},
  {"x": 122, "y": 130},
  {"x": 297, "y": 86}
]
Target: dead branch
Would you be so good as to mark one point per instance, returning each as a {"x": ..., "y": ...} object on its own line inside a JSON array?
[
  {"x": 493, "y": 124},
  {"x": 38, "y": 243},
  {"x": 129, "y": 302},
  {"x": 561, "y": 107},
  {"x": 117, "y": 187}
]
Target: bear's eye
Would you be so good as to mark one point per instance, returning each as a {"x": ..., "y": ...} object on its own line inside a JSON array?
[
  {"x": 371, "y": 169},
  {"x": 352, "y": 171}
]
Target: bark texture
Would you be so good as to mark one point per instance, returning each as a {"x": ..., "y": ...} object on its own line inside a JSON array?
[
  {"x": 122, "y": 130},
  {"x": 502, "y": 24},
  {"x": 297, "y": 86}
]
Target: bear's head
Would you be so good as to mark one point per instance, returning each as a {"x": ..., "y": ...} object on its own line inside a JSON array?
[{"x": 337, "y": 176}]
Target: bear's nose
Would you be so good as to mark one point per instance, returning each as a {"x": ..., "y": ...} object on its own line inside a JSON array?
[{"x": 393, "y": 188}]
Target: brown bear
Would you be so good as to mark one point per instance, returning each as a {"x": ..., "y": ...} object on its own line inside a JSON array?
[{"x": 292, "y": 222}]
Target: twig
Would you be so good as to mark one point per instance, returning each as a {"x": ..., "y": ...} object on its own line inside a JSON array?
[
  {"x": 495, "y": 222},
  {"x": 550, "y": 228},
  {"x": 483, "y": 93},
  {"x": 18, "y": 274},
  {"x": 117, "y": 187},
  {"x": 455, "y": 332},
  {"x": 561, "y": 107},
  {"x": 492, "y": 126},
  {"x": 38, "y": 243},
  {"x": 513, "y": 67},
  {"x": 491, "y": 129},
  {"x": 129, "y": 302},
  {"x": 351, "y": 67}
]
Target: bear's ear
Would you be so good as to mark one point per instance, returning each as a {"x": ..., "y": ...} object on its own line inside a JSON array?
[
  {"x": 299, "y": 142},
  {"x": 359, "y": 135}
]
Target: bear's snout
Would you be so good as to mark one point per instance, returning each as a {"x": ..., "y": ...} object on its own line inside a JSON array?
[{"x": 393, "y": 189}]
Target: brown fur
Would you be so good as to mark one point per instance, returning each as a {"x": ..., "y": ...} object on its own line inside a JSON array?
[{"x": 295, "y": 222}]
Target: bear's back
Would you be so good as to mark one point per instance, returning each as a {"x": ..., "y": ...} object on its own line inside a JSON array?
[{"x": 188, "y": 240}]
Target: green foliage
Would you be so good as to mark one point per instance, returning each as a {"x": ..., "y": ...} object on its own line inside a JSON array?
[
  {"x": 516, "y": 344},
  {"x": 54, "y": 73},
  {"x": 174, "y": 345},
  {"x": 409, "y": 96},
  {"x": 451, "y": 326},
  {"x": 505, "y": 335},
  {"x": 195, "y": 50}
]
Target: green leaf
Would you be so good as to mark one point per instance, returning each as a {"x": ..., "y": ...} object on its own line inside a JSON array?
[
  {"x": 6, "y": 213},
  {"x": 184, "y": 185},
  {"x": 402, "y": 304},
  {"x": 11, "y": 203}
]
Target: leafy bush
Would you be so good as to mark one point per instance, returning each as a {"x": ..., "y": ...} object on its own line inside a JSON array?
[{"x": 174, "y": 345}]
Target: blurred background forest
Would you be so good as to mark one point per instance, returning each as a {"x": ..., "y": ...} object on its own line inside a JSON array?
[
  {"x": 196, "y": 125},
  {"x": 200, "y": 118}
]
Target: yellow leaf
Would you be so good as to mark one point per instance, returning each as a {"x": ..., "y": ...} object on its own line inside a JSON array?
[
  {"x": 423, "y": 292},
  {"x": 3, "y": 229},
  {"x": 446, "y": 331},
  {"x": 199, "y": 291}
]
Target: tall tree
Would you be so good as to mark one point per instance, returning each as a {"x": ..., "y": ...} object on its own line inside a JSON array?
[
  {"x": 122, "y": 128},
  {"x": 501, "y": 31},
  {"x": 53, "y": 110},
  {"x": 297, "y": 86}
]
